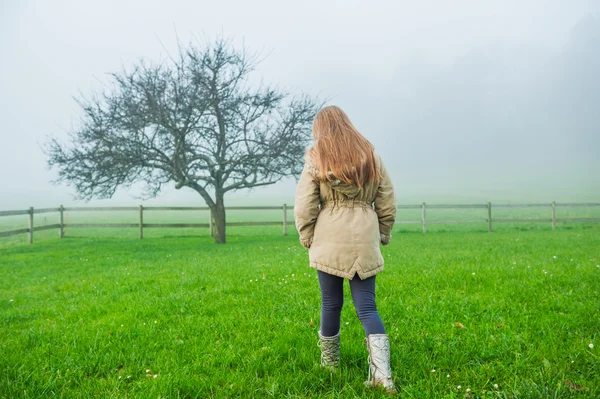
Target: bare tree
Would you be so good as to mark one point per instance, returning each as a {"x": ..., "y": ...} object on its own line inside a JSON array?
[{"x": 194, "y": 121}]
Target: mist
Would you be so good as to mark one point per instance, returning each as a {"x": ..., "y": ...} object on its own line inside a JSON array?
[{"x": 464, "y": 101}]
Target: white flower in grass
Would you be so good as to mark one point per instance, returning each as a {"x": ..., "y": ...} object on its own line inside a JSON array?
[
  {"x": 12, "y": 300},
  {"x": 468, "y": 389},
  {"x": 473, "y": 273},
  {"x": 458, "y": 387},
  {"x": 433, "y": 371},
  {"x": 147, "y": 371},
  {"x": 347, "y": 322},
  {"x": 448, "y": 376},
  {"x": 495, "y": 386},
  {"x": 250, "y": 280},
  {"x": 155, "y": 376},
  {"x": 591, "y": 345},
  {"x": 554, "y": 256}
]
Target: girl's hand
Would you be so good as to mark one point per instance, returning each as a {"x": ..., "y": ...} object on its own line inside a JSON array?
[
  {"x": 306, "y": 243},
  {"x": 385, "y": 238}
]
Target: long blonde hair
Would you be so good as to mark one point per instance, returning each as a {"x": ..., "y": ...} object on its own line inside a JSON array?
[{"x": 340, "y": 152}]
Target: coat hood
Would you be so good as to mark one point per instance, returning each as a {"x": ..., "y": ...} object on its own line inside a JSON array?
[{"x": 350, "y": 190}]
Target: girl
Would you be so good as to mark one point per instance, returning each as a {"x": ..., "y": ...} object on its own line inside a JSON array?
[{"x": 344, "y": 208}]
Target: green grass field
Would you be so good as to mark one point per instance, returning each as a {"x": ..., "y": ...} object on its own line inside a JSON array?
[{"x": 103, "y": 314}]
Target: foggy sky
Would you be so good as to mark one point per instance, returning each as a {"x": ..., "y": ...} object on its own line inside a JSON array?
[{"x": 464, "y": 100}]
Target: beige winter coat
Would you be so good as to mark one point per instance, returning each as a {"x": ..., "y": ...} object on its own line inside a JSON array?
[{"x": 343, "y": 225}]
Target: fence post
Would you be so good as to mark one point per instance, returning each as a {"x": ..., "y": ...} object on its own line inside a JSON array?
[
  {"x": 553, "y": 215},
  {"x": 61, "y": 224},
  {"x": 141, "y": 222},
  {"x": 423, "y": 221},
  {"x": 285, "y": 219},
  {"x": 489, "y": 217},
  {"x": 210, "y": 222},
  {"x": 31, "y": 225}
]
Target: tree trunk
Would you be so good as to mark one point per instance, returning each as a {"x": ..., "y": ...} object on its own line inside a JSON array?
[{"x": 220, "y": 219}]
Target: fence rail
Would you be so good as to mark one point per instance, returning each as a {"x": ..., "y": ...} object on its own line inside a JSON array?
[{"x": 62, "y": 224}]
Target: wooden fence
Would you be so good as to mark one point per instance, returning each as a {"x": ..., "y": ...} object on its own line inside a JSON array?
[{"x": 62, "y": 224}]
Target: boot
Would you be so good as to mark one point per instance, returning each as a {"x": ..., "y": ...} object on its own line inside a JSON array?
[
  {"x": 380, "y": 373},
  {"x": 330, "y": 350}
]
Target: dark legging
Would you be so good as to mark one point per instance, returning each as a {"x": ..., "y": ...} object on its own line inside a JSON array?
[{"x": 332, "y": 300}]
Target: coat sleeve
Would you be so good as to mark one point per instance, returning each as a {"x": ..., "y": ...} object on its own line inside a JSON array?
[
  {"x": 306, "y": 207},
  {"x": 385, "y": 205}
]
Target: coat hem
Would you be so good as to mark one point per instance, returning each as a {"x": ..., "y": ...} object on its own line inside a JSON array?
[{"x": 349, "y": 275}]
